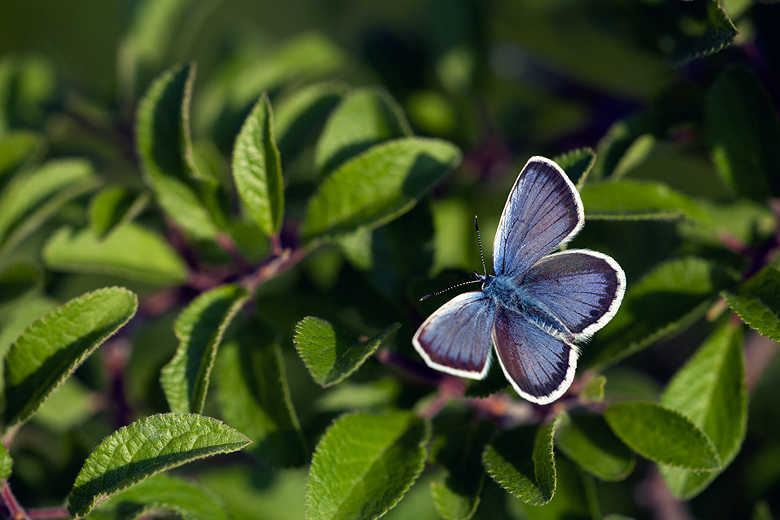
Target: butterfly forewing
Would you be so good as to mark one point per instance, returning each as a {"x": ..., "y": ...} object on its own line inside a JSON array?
[
  {"x": 539, "y": 366},
  {"x": 582, "y": 288},
  {"x": 456, "y": 338},
  {"x": 543, "y": 211}
]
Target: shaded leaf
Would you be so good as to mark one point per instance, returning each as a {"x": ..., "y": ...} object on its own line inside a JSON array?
[
  {"x": 162, "y": 493},
  {"x": 743, "y": 131},
  {"x": 593, "y": 391},
  {"x": 717, "y": 32},
  {"x": 710, "y": 390},
  {"x": 32, "y": 198},
  {"x": 387, "y": 453},
  {"x": 114, "y": 206},
  {"x": 757, "y": 302},
  {"x": 165, "y": 149},
  {"x": 662, "y": 435},
  {"x": 577, "y": 164},
  {"x": 664, "y": 301},
  {"x": 522, "y": 462},
  {"x": 365, "y": 117},
  {"x": 17, "y": 149},
  {"x": 257, "y": 168},
  {"x": 132, "y": 251},
  {"x": 331, "y": 355},
  {"x": 199, "y": 328},
  {"x": 255, "y": 396},
  {"x": 635, "y": 200},
  {"x": 587, "y": 440},
  {"x": 53, "y": 347},
  {"x": 459, "y": 450},
  {"x": 378, "y": 185},
  {"x": 17, "y": 280},
  {"x": 145, "y": 448}
]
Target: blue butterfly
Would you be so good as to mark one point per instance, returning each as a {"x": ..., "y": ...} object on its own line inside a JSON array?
[{"x": 537, "y": 306}]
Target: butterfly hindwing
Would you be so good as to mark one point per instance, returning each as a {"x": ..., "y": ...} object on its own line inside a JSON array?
[
  {"x": 543, "y": 211},
  {"x": 582, "y": 288},
  {"x": 456, "y": 338},
  {"x": 539, "y": 366}
]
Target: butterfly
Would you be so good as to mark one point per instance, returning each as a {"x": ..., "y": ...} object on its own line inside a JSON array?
[{"x": 537, "y": 306}]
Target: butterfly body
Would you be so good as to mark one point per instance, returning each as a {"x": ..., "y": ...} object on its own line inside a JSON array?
[{"x": 537, "y": 306}]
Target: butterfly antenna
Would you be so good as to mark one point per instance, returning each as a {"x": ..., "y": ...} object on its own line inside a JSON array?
[
  {"x": 448, "y": 288},
  {"x": 479, "y": 240}
]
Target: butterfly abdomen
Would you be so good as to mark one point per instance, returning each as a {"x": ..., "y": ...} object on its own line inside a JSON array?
[{"x": 507, "y": 292}]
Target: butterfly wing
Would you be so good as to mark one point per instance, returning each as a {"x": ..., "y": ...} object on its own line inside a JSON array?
[
  {"x": 456, "y": 338},
  {"x": 582, "y": 288},
  {"x": 543, "y": 211},
  {"x": 539, "y": 366}
]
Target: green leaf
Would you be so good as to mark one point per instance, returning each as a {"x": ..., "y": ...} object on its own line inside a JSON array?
[
  {"x": 459, "y": 450},
  {"x": 112, "y": 207},
  {"x": 255, "y": 396},
  {"x": 15, "y": 318},
  {"x": 301, "y": 115},
  {"x": 16, "y": 151},
  {"x": 378, "y": 185},
  {"x": 743, "y": 131},
  {"x": 587, "y": 440},
  {"x": 6, "y": 462},
  {"x": 635, "y": 200},
  {"x": 757, "y": 302},
  {"x": 53, "y": 347},
  {"x": 386, "y": 451},
  {"x": 17, "y": 280},
  {"x": 364, "y": 118},
  {"x": 715, "y": 32},
  {"x": 710, "y": 391},
  {"x": 132, "y": 251},
  {"x": 145, "y": 448},
  {"x": 199, "y": 329},
  {"x": 331, "y": 355},
  {"x": 577, "y": 164},
  {"x": 162, "y": 493},
  {"x": 662, "y": 435},
  {"x": 32, "y": 198},
  {"x": 257, "y": 168},
  {"x": 664, "y": 301},
  {"x": 165, "y": 149},
  {"x": 593, "y": 391},
  {"x": 522, "y": 462}
]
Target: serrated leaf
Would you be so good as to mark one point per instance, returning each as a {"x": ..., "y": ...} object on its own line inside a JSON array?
[
  {"x": 577, "y": 164},
  {"x": 742, "y": 128},
  {"x": 587, "y": 440},
  {"x": 378, "y": 185},
  {"x": 662, "y": 435},
  {"x": 364, "y": 118},
  {"x": 522, "y": 462},
  {"x": 165, "y": 149},
  {"x": 715, "y": 32},
  {"x": 302, "y": 115},
  {"x": 17, "y": 149},
  {"x": 132, "y": 251},
  {"x": 664, "y": 301},
  {"x": 54, "y": 346},
  {"x": 635, "y": 200},
  {"x": 162, "y": 493},
  {"x": 257, "y": 168},
  {"x": 16, "y": 280},
  {"x": 386, "y": 451},
  {"x": 757, "y": 302},
  {"x": 459, "y": 450},
  {"x": 255, "y": 397},
  {"x": 710, "y": 390},
  {"x": 145, "y": 448},
  {"x": 33, "y": 197},
  {"x": 199, "y": 328},
  {"x": 6, "y": 462},
  {"x": 112, "y": 207},
  {"x": 331, "y": 355}
]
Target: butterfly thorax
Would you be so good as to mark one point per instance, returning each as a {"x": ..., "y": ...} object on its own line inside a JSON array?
[{"x": 508, "y": 292}]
